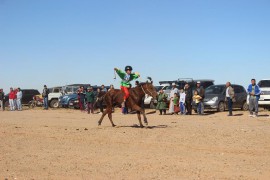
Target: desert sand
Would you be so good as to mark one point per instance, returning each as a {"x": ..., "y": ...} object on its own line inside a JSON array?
[{"x": 68, "y": 144}]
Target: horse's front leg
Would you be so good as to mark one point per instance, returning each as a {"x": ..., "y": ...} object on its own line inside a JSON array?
[{"x": 139, "y": 111}]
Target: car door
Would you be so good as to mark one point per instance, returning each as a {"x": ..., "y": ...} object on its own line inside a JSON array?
[
  {"x": 26, "y": 96},
  {"x": 238, "y": 96}
]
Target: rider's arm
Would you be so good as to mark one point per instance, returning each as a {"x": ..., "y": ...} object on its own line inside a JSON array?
[{"x": 120, "y": 73}]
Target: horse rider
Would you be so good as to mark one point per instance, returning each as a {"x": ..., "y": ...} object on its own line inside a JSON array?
[{"x": 126, "y": 77}]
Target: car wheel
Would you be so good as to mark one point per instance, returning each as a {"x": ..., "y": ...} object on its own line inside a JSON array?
[
  {"x": 221, "y": 107},
  {"x": 245, "y": 106},
  {"x": 31, "y": 104},
  {"x": 54, "y": 103}
]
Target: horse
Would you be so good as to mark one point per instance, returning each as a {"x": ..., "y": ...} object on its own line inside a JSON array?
[{"x": 116, "y": 96}]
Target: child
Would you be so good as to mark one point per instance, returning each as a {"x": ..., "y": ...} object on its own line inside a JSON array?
[
  {"x": 176, "y": 103},
  {"x": 197, "y": 100},
  {"x": 126, "y": 77},
  {"x": 182, "y": 101}
]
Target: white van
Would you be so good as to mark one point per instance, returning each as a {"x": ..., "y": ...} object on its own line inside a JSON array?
[{"x": 264, "y": 100}]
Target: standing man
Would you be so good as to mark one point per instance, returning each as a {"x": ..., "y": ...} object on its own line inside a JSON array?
[
  {"x": 104, "y": 90},
  {"x": 81, "y": 94},
  {"x": 230, "y": 98},
  {"x": 90, "y": 100},
  {"x": 45, "y": 95},
  {"x": 12, "y": 97},
  {"x": 254, "y": 96},
  {"x": 189, "y": 96},
  {"x": 173, "y": 91},
  {"x": 162, "y": 102},
  {"x": 2, "y": 98},
  {"x": 201, "y": 93},
  {"x": 19, "y": 99}
]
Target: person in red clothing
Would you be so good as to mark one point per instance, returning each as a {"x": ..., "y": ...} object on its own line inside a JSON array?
[{"x": 12, "y": 97}]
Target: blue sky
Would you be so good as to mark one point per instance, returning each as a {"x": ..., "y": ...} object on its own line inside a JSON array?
[{"x": 67, "y": 41}]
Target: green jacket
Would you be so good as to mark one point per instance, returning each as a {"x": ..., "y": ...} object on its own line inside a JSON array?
[
  {"x": 125, "y": 78},
  {"x": 90, "y": 97},
  {"x": 162, "y": 101}
]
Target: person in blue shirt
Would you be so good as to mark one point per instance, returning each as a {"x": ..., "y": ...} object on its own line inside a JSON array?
[{"x": 254, "y": 96}]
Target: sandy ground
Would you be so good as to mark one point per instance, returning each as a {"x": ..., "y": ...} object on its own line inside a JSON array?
[{"x": 68, "y": 144}]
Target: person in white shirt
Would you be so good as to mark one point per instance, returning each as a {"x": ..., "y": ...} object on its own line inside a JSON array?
[
  {"x": 182, "y": 102},
  {"x": 19, "y": 99},
  {"x": 173, "y": 91},
  {"x": 230, "y": 98}
]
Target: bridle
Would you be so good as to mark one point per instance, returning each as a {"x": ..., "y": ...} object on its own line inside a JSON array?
[{"x": 146, "y": 90}]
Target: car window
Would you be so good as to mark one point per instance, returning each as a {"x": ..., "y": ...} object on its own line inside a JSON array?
[
  {"x": 26, "y": 92},
  {"x": 237, "y": 89},
  {"x": 56, "y": 90},
  {"x": 264, "y": 83},
  {"x": 207, "y": 84},
  {"x": 215, "y": 90}
]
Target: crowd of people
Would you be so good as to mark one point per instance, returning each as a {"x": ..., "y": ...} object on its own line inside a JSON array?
[
  {"x": 87, "y": 98},
  {"x": 14, "y": 99},
  {"x": 182, "y": 101}
]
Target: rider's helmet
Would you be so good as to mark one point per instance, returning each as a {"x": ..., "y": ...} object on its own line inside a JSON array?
[{"x": 128, "y": 68}]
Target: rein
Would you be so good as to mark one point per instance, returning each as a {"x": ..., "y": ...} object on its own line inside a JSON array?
[{"x": 147, "y": 90}]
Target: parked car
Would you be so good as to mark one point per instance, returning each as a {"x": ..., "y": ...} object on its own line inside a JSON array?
[
  {"x": 28, "y": 95},
  {"x": 54, "y": 94},
  {"x": 264, "y": 100},
  {"x": 65, "y": 101},
  {"x": 71, "y": 100},
  {"x": 215, "y": 97}
]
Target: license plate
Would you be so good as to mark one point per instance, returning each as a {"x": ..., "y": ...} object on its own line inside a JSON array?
[{"x": 71, "y": 104}]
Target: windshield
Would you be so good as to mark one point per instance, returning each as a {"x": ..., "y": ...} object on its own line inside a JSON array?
[
  {"x": 214, "y": 90},
  {"x": 264, "y": 83}
]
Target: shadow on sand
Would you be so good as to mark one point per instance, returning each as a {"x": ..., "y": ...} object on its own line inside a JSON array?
[{"x": 145, "y": 127}]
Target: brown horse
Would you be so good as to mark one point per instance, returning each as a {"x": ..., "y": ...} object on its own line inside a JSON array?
[{"x": 134, "y": 101}]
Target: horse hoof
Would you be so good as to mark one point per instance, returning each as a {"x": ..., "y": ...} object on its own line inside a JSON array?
[
  {"x": 113, "y": 125},
  {"x": 146, "y": 124}
]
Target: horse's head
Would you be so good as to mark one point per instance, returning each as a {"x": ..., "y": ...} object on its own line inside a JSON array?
[{"x": 149, "y": 88}]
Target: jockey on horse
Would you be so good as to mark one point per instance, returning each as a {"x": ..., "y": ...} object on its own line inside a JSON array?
[{"x": 126, "y": 77}]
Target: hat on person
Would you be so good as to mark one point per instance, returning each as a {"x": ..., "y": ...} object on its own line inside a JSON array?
[
  {"x": 198, "y": 82},
  {"x": 45, "y": 86},
  {"x": 173, "y": 84}
]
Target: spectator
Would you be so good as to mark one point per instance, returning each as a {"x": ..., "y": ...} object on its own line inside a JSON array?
[
  {"x": 188, "y": 99},
  {"x": 182, "y": 102},
  {"x": 2, "y": 98},
  {"x": 173, "y": 91},
  {"x": 198, "y": 101},
  {"x": 103, "y": 90},
  {"x": 45, "y": 95},
  {"x": 111, "y": 87},
  {"x": 162, "y": 102},
  {"x": 81, "y": 97},
  {"x": 12, "y": 97},
  {"x": 176, "y": 103},
  {"x": 90, "y": 100},
  {"x": 19, "y": 99},
  {"x": 230, "y": 98},
  {"x": 254, "y": 93},
  {"x": 201, "y": 93}
]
